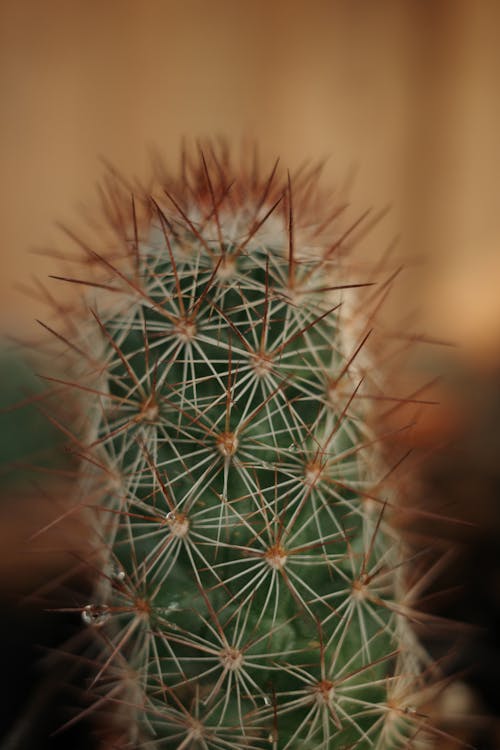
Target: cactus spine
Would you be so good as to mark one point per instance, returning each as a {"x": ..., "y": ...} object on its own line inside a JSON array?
[{"x": 249, "y": 592}]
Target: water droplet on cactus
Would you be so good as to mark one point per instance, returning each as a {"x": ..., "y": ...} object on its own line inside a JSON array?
[
  {"x": 410, "y": 710},
  {"x": 170, "y": 516},
  {"x": 96, "y": 614},
  {"x": 117, "y": 574}
]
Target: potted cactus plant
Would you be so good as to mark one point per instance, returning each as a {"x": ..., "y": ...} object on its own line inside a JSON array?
[{"x": 250, "y": 588}]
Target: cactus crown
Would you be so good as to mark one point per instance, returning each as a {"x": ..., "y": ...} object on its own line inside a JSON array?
[{"x": 249, "y": 593}]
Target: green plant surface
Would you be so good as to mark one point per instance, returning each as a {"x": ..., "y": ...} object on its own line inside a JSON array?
[{"x": 250, "y": 592}]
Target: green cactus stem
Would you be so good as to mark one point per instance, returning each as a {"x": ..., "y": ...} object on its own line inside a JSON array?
[{"x": 250, "y": 590}]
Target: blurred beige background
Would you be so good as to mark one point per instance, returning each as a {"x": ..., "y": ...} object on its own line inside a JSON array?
[{"x": 407, "y": 92}]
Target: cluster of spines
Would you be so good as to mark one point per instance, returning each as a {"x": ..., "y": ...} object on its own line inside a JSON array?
[{"x": 249, "y": 592}]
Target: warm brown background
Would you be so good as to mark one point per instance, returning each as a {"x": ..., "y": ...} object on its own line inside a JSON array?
[{"x": 407, "y": 91}]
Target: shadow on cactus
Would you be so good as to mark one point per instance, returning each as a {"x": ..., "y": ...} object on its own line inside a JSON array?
[{"x": 250, "y": 591}]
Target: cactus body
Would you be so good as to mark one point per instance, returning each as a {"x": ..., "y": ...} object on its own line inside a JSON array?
[{"x": 249, "y": 592}]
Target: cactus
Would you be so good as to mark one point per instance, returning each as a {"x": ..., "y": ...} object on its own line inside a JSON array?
[{"x": 250, "y": 592}]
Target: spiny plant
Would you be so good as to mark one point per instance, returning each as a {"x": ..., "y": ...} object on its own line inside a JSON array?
[{"x": 250, "y": 589}]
